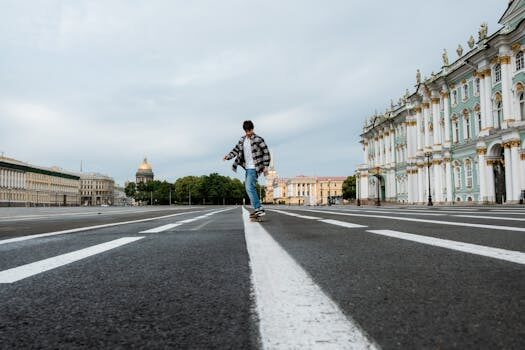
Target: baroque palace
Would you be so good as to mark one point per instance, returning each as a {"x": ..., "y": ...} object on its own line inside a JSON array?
[{"x": 461, "y": 134}]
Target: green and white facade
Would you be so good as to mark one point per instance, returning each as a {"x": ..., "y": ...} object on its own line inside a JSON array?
[{"x": 465, "y": 125}]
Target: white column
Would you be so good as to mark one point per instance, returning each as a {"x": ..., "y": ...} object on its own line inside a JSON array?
[
  {"x": 364, "y": 186},
  {"x": 491, "y": 193},
  {"x": 522, "y": 169},
  {"x": 508, "y": 171},
  {"x": 438, "y": 181},
  {"x": 488, "y": 99},
  {"x": 482, "y": 100},
  {"x": 482, "y": 173},
  {"x": 365, "y": 156},
  {"x": 448, "y": 176},
  {"x": 516, "y": 185},
  {"x": 446, "y": 113},
  {"x": 376, "y": 151},
  {"x": 435, "y": 121},
  {"x": 426, "y": 120},
  {"x": 420, "y": 184},
  {"x": 419, "y": 122},
  {"x": 506, "y": 84}
]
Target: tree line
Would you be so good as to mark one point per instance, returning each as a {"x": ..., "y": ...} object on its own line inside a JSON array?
[{"x": 192, "y": 190}]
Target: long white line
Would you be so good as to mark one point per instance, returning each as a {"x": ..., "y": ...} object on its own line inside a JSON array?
[
  {"x": 88, "y": 228},
  {"x": 182, "y": 222},
  {"x": 438, "y": 222},
  {"x": 18, "y": 273},
  {"x": 490, "y": 217},
  {"x": 294, "y": 313},
  {"x": 296, "y": 215},
  {"x": 496, "y": 253}
]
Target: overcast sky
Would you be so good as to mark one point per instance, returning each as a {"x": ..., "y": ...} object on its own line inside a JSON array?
[{"x": 107, "y": 82}]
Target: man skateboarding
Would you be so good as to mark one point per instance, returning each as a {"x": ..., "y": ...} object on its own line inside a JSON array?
[{"x": 251, "y": 153}]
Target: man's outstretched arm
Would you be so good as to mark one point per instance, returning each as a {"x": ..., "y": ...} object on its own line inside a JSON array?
[{"x": 234, "y": 152}]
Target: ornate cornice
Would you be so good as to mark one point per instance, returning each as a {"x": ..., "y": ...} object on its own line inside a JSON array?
[
  {"x": 435, "y": 101},
  {"x": 504, "y": 60}
]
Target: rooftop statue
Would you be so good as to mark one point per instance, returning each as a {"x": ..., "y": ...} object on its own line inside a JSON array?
[
  {"x": 471, "y": 42},
  {"x": 460, "y": 50},
  {"x": 418, "y": 77},
  {"x": 445, "y": 57},
  {"x": 483, "y": 31}
]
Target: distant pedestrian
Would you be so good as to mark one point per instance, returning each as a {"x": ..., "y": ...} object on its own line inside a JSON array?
[{"x": 251, "y": 153}]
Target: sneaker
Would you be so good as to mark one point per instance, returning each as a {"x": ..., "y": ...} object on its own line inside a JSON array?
[
  {"x": 253, "y": 215},
  {"x": 260, "y": 212}
]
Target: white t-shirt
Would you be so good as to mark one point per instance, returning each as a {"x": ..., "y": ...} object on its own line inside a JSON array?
[{"x": 248, "y": 154}]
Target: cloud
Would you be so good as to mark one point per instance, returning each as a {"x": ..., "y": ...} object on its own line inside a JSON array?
[{"x": 107, "y": 82}]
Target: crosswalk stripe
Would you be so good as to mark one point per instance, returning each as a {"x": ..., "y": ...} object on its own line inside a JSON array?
[
  {"x": 293, "y": 311},
  {"x": 438, "y": 222},
  {"x": 341, "y": 223},
  {"x": 490, "y": 217},
  {"x": 182, "y": 222},
  {"x": 297, "y": 215},
  {"x": 88, "y": 228},
  {"x": 496, "y": 253},
  {"x": 18, "y": 273}
]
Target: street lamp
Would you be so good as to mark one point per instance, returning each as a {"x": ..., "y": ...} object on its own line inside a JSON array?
[{"x": 429, "y": 155}]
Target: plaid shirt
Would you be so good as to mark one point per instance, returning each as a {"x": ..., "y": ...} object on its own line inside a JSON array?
[{"x": 260, "y": 154}]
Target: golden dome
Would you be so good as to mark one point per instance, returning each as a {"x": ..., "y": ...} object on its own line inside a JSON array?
[{"x": 145, "y": 165}]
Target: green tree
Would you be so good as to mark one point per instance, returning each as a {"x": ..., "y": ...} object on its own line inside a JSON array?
[
  {"x": 131, "y": 189},
  {"x": 349, "y": 188}
]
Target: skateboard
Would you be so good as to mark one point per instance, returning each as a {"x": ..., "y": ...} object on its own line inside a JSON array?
[{"x": 257, "y": 219}]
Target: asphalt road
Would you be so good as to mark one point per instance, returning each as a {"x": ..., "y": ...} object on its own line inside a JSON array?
[{"x": 306, "y": 277}]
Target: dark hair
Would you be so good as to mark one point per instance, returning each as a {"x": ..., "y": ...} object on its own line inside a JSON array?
[{"x": 247, "y": 125}]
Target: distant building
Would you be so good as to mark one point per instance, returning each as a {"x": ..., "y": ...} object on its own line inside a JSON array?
[
  {"x": 23, "y": 184},
  {"x": 144, "y": 173},
  {"x": 306, "y": 190},
  {"x": 96, "y": 189}
]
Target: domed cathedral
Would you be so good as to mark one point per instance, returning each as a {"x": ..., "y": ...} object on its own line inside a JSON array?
[{"x": 145, "y": 172}]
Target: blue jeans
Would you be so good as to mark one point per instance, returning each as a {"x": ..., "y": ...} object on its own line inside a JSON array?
[{"x": 251, "y": 190}]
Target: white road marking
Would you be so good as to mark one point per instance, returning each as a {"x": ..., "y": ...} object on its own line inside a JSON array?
[
  {"x": 438, "y": 222},
  {"x": 404, "y": 212},
  {"x": 341, "y": 223},
  {"x": 88, "y": 228},
  {"x": 297, "y": 215},
  {"x": 182, "y": 222},
  {"x": 294, "y": 313},
  {"x": 496, "y": 253},
  {"x": 18, "y": 273},
  {"x": 490, "y": 217}
]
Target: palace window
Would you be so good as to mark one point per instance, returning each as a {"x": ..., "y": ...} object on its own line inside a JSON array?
[
  {"x": 498, "y": 113},
  {"x": 457, "y": 176},
  {"x": 497, "y": 73},
  {"x": 465, "y": 92},
  {"x": 519, "y": 61},
  {"x": 468, "y": 173},
  {"x": 478, "y": 119},
  {"x": 455, "y": 97},
  {"x": 521, "y": 99},
  {"x": 477, "y": 87},
  {"x": 456, "y": 132},
  {"x": 467, "y": 127}
]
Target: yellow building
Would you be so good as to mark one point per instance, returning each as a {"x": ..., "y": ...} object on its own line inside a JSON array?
[
  {"x": 22, "y": 184},
  {"x": 307, "y": 190}
]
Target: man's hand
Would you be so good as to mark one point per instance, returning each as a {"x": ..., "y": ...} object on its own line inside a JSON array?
[
  {"x": 225, "y": 158},
  {"x": 265, "y": 172}
]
